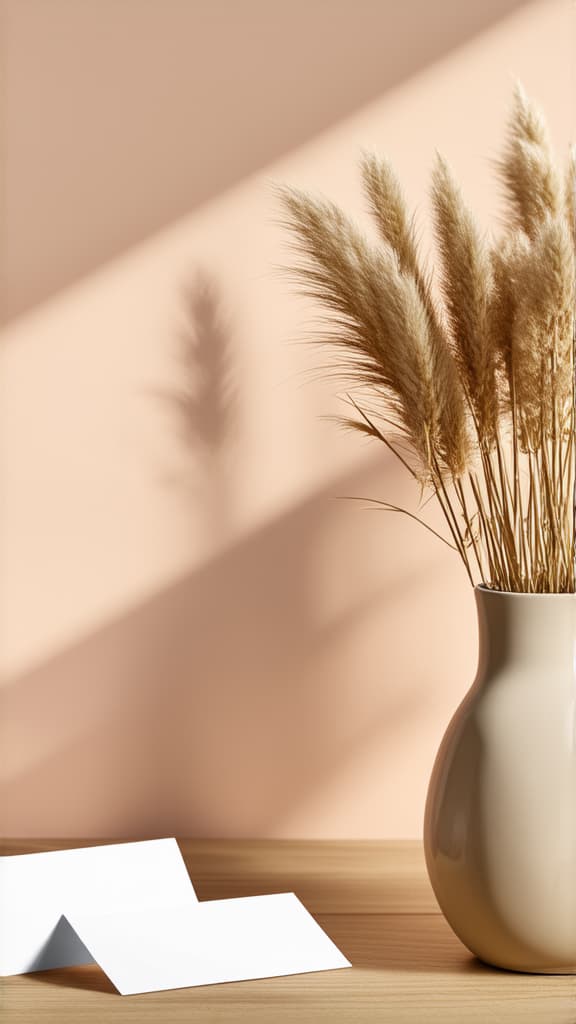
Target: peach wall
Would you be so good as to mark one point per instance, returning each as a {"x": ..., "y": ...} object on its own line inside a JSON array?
[{"x": 197, "y": 638}]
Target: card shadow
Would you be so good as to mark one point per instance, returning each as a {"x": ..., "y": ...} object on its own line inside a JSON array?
[
  {"x": 89, "y": 977},
  {"x": 63, "y": 943}
]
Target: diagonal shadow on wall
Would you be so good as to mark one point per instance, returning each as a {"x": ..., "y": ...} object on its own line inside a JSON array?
[
  {"x": 210, "y": 708},
  {"x": 194, "y": 97}
]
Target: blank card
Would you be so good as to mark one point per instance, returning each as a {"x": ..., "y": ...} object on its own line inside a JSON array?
[
  {"x": 36, "y": 889},
  {"x": 159, "y": 948}
]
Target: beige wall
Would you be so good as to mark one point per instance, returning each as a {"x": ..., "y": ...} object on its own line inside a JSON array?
[{"x": 197, "y": 637}]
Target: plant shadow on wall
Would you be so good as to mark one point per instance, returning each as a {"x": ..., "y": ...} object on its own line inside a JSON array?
[
  {"x": 240, "y": 698},
  {"x": 203, "y": 407}
]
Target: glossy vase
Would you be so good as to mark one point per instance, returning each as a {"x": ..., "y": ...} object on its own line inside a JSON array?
[{"x": 500, "y": 823}]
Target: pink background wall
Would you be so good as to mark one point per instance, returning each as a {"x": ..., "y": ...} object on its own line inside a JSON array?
[{"x": 197, "y": 638}]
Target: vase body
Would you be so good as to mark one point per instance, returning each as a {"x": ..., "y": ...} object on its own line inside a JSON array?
[{"x": 500, "y": 822}]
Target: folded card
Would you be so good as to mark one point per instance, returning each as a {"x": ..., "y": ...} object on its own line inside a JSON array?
[
  {"x": 152, "y": 949},
  {"x": 37, "y": 888},
  {"x": 131, "y": 908}
]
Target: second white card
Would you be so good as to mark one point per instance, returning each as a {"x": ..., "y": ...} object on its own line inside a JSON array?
[{"x": 220, "y": 940}]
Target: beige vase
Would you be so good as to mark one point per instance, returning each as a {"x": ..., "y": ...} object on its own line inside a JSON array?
[{"x": 500, "y": 823}]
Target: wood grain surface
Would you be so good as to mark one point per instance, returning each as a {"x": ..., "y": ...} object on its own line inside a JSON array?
[{"x": 373, "y": 899}]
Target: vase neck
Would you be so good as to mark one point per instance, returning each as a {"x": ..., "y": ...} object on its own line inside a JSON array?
[{"x": 534, "y": 630}]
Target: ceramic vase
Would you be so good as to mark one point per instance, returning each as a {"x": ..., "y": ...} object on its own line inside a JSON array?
[{"x": 500, "y": 822}]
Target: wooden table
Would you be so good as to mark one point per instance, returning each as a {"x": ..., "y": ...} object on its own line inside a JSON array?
[{"x": 373, "y": 899}]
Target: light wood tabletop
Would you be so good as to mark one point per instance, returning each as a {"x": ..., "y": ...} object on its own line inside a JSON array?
[{"x": 372, "y": 898}]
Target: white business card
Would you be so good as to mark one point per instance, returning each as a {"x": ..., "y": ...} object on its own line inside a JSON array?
[{"x": 152, "y": 949}]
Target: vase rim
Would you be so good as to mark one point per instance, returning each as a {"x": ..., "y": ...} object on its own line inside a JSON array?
[{"x": 484, "y": 589}]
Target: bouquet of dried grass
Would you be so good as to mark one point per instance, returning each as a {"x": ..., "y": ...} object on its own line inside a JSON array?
[{"x": 474, "y": 395}]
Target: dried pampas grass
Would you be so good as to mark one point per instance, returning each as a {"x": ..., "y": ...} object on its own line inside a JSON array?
[{"x": 475, "y": 395}]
